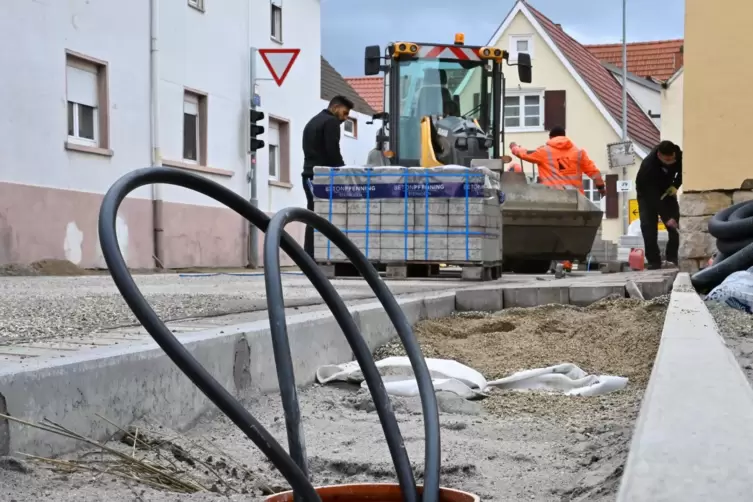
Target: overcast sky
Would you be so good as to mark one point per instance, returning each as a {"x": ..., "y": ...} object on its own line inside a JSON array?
[{"x": 348, "y": 26}]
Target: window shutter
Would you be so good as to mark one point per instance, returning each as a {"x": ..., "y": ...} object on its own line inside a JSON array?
[
  {"x": 554, "y": 109},
  {"x": 613, "y": 198},
  {"x": 81, "y": 86}
]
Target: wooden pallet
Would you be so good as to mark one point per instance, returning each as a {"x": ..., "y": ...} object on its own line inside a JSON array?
[{"x": 416, "y": 270}]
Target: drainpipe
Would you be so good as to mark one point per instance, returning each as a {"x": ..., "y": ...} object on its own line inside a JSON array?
[{"x": 154, "y": 115}]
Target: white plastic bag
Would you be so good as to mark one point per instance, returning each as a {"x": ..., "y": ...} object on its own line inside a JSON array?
[{"x": 736, "y": 291}]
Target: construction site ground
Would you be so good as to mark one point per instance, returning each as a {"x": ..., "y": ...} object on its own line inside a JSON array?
[{"x": 509, "y": 447}]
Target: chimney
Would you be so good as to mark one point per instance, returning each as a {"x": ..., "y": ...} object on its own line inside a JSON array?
[{"x": 558, "y": 25}]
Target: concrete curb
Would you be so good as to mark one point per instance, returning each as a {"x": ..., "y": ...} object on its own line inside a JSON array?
[
  {"x": 693, "y": 438},
  {"x": 125, "y": 383}
]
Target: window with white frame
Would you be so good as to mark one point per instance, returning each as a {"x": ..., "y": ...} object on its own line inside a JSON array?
[
  {"x": 524, "y": 112},
  {"x": 273, "y": 142},
  {"x": 276, "y": 20},
  {"x": 196, "y": 4},
  {"x": 191, "y": 128},
  {"x": 590, "y": 190},
  {"x": 350, "y": 127},
  {"x": 83, "y": 103},
  {"x": 520, "y": 43}
]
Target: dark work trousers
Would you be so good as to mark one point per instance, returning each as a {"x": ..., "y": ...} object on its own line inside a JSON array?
[
  {"x": 650, "y": 210},
  {"x": 308, "y": 240}
]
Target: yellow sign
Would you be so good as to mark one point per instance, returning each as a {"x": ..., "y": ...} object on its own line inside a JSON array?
[{"x": 633, "y": 213}]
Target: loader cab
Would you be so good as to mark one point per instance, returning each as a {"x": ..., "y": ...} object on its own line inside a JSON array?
[{"x": 458, "y": 88}]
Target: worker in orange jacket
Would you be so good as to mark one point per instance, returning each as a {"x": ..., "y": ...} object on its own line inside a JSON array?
[{"x": 561, "y": 164}]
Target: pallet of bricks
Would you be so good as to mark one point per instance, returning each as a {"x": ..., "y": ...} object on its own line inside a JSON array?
[{"x": 409, "y": 221}]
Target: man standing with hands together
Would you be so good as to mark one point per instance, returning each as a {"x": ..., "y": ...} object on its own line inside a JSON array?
[{"x": 657, "y": 182}]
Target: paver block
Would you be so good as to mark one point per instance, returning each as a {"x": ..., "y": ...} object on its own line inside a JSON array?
[
  {"x": 535, "y": 295},
  {"x": 584, "y": 295},
  {"x": 482, "y": 299}
]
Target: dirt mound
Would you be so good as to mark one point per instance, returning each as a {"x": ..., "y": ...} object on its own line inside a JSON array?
[
  {"x": 43, "y": 267},
  {"x": 614, "y": 336}
]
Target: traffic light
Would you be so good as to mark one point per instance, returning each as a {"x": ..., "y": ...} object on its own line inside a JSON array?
[{"x": 256, "y": 130}]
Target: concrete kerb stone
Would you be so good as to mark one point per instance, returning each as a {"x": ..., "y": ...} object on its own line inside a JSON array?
[
  {"x": 532, "y": 295},
  {"x": 693, "y": 436},
  {"x": 131, "y": 382},
  {"x": 584, "y": 295},
  {"x": 486, "y": 298}
]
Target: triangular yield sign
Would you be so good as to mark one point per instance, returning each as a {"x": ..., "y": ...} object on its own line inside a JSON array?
[{"x": 279, "y": 62}]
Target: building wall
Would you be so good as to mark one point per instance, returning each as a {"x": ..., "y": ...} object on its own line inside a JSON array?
[
  {"x": 51, "y": 193},
  {"x": 648, "y": 99},
  {"x": 585, "y": 125},
  {"x": 672, "y": 110},
  {"x": 710, "y": 116}
]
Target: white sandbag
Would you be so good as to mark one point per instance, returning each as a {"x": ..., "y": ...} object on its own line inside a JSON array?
[
  {"x": 400, "y": 366},
  {"x": 565, "y": 378},
  {"x": 408, "y": 387},
  {"x": 452, "y": 376}
]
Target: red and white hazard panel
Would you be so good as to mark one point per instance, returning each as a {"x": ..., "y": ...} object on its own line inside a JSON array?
[{"x": 448, "y": 52}]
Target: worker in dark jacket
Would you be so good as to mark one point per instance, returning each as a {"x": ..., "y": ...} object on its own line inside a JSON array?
[
  {"x": 659, "y": 178},
  {"x": 321, "y": 148}
]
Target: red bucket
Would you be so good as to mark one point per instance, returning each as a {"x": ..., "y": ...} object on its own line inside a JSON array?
[{"x": 373, "y": 492}]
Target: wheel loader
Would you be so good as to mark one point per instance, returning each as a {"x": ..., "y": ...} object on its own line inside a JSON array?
[{"x": 442, "y": 106}]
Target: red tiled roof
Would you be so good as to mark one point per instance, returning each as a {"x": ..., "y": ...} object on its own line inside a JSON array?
[
  {"x": 660, "y": 59},
  {"x": 641, "y": 128},
  {"x": 371, "y": 89}
]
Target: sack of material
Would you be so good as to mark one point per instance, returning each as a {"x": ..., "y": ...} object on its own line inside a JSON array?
[{"x": 452, "y": 376}]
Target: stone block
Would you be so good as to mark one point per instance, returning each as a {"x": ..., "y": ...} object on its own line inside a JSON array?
[
  {"x": 583, "y": 295},
  {"x": 695, "y": 224},
  {"x": 391, "y": 255},
  {"x": 398, "y": 207},
  {"x": 532, "y": 296},
  {"x": 436, "y": 206},
  {"x": 742, "y": 196},
  {"x": 474, "y": 220},
  {"x": 360, "y": 207},
  {"x": 704, "y": 203},
  {"x": 322, "y": 207},
  {"x": 491, "y": 300},
  {"x": 696, "y": 245},
  {"x": 360, "y": 220},
  {"x": 435, "y": 221},
  {"x": 690, "y": 266}
]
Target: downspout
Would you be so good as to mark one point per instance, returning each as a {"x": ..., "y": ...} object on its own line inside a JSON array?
[{"x": 157, "y": 250}]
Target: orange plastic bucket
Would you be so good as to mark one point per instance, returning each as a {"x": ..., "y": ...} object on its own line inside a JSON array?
[{"x": 373, "y": 492}]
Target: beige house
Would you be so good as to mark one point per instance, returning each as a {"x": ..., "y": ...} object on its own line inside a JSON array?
[
  {"x": 716, "y": 125},
  {"x": 571, "y": 88},
  {"x": 671, "y": 105}
]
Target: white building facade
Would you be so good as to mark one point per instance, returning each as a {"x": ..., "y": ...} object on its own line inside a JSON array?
[{"x": 102, "y": 88}]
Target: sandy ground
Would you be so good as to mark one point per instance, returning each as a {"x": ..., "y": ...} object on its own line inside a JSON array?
[
  {"x": 736, "y": 327},
  {"x": 510, "y": 447}
]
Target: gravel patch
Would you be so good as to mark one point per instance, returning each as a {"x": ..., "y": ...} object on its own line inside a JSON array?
[
  {"x": 38, "y": 308},
  {"x": 736, "y": 327}
]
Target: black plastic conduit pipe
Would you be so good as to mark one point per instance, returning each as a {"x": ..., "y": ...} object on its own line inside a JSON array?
[
  {"x": 733, "y": 229},
  {"x": 284, "y": 363},
  {"x": 293, "y": 472}
]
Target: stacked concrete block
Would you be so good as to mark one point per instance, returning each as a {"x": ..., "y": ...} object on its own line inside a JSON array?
[{"x": 397, "y": 225}]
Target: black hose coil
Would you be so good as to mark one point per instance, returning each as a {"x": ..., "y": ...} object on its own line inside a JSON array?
[
  {"x": 294, "y": 466},
  {"x": 733, "y": 229}
]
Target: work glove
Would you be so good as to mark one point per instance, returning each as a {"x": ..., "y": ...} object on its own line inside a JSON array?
[
  {"x": 602, "y": 190},
  {"x": 671, "y": 192}
]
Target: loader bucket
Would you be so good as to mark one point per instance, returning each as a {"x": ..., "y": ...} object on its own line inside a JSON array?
[{"x": 541, "y": 224}]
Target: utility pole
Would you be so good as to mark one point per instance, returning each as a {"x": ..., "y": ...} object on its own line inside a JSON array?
[
  {"x": 624, "y": 111},
  {"x": 253, "y": 232}
]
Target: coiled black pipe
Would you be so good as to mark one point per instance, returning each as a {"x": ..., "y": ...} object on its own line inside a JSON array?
[
  {"x": 733, "y": 229},
  {"x": 294, "y": 472}
]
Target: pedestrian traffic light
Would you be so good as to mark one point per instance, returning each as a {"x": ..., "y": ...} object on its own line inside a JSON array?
[{"x": 256, "y": 130}]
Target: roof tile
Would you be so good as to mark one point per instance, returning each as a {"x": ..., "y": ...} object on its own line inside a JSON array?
[
  {"x": 659, "y": 59},
  {"x": 608, "y": 90},
  {"x": 371, "y": 89}
]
